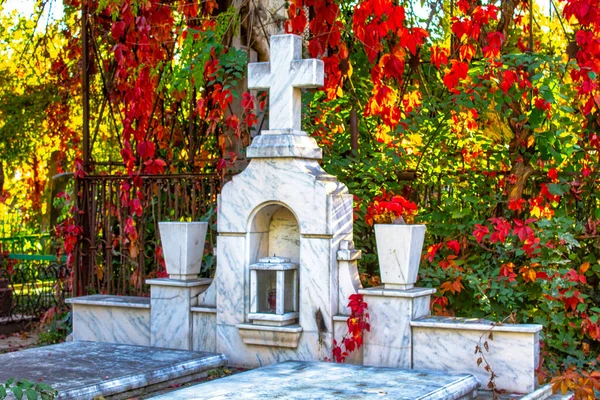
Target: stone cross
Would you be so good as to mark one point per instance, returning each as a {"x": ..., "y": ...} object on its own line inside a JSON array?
[{"x": 283, "y": 76}]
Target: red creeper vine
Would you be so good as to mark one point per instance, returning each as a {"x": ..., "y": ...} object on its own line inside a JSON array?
[{"x": 357, "y": 322}]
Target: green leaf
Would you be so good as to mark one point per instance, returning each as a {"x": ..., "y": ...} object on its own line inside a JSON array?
[
  {"x": 31, "y": 394},
  {"x": 17, "y": 391},
  {"x": 557, "y": 189},
  {"x": 44, "y": 386}
]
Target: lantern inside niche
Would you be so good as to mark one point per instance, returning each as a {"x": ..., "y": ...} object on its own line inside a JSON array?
[{"x": 274, "y": 292}]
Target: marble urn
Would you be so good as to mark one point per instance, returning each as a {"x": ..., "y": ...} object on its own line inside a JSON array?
[
  {"x": 399, "y": 250},
  {"x": 183, "y": 247}
]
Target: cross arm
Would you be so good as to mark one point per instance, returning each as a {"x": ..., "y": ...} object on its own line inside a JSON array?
[
  {"x": 259, "y": 75},
  {"x": 307, "y": 73}
]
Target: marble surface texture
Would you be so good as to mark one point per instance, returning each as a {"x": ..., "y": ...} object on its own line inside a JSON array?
[
  {"x": 171, "y": 317},
  {"x": 233, "y": 281},
  {"x": 86, "y": 370},
  {"x": 321, "y": 207},
  {"x": 111, "y": 301},
  {"x": 399, "y": 252},
  {"x": 283, "y": 76},
  {"x": 110, "y": 324},
  {"x": 347, "y": 278},
  {"x": 296, "y": 380},
  {"x": 204, "y": 329},
  {"x": 273, "y": 145},
  {"x": 276, "y": 336},
  {"x": 183, "y": 247},
  {"x": 389, "y": 343},
  {"x": 514, "y": 356},
  {"x": 289, "y": 207},
  {"x": 311, "y": 346},
  {"x": 476, "y": 324}
]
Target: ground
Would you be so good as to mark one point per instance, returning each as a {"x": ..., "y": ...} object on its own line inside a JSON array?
[{"x": 17, "y": 341}]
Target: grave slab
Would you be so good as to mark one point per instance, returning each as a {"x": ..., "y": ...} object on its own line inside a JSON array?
[
  {"x": 84, "y": 370},
  {"x": 296, "y": 380}
]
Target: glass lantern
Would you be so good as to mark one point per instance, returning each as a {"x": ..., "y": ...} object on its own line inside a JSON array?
[{"x": 274, "y": 292}]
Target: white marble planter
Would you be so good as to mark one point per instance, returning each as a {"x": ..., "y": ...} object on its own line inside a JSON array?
[
  {"x": 399, "y": 251},
  {"x": 183, "y": 246}
]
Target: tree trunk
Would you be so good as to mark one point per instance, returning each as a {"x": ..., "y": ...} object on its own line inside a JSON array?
[{"x": 522, "y": 171}]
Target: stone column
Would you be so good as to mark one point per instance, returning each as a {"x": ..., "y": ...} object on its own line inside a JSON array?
[
  {"x": 389, "y": 343},
  {"x": 170, "y": 311}
]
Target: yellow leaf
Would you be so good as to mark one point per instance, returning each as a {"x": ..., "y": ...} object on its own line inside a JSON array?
[
  {"x": 415, "y": 139},
  {"x": 100, "y": 271}
]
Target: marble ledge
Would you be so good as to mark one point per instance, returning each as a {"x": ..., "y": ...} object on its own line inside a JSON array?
[
  {"x": 284, "y": 329},
  {"x": 341, "y": 318},
  {"x": 473, "y": 324},
  {"x": 273, "y": 336},
  {"x": 179, "y": 283},
  {"x": 286, "y": 131},
  {"x": 411, "y": 293},
  {"x": 284, "y": 146},
  {"x": 204, "y": 310},
  {"x": 111, "y": 301}
]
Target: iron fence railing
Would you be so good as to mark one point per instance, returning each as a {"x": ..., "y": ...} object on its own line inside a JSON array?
[
  {"x": 107, "y": 259},
  {"x": 30, "y": 285}
]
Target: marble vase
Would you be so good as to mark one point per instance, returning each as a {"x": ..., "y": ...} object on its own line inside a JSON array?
[
  {"x": 183, "y": 247},
  {"x": 399, "y": 250}
]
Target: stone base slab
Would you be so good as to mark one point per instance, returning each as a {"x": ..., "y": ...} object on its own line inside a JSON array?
[
  {"x": 85, "y": 370},
  {"x": 295, "y": 380}
]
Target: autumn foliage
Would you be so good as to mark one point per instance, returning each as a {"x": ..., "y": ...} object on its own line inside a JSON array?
[{"x": 486, "y": 115}]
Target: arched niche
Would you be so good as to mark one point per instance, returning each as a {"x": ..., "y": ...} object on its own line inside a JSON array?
[
  {"x": 274, "y": 235},
  {"x": 274, "y": 231}
]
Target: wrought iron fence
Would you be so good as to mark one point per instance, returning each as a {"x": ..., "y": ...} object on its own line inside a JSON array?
[
  {"x": 107, "y": 260},
  {"x": 30, "y": 285}
]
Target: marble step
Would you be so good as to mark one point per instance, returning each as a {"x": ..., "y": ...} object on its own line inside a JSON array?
[
  {"x": 84, "y": 370},
  {"x": 298, "y": 380}
]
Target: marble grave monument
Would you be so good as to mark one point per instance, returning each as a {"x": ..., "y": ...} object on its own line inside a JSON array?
[{"x": 286, "y": 266}]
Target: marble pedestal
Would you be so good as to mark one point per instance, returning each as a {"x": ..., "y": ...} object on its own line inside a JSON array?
[
  {"x": 171, "y": 322},
  {"x": 111, "y": 319},
  {"x": 389, "y": 343}
]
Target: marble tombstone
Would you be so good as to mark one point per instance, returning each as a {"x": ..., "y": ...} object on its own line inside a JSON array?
[{"x": 286, "y": 266}]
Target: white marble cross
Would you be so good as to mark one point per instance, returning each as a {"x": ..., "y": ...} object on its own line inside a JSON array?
[{"x": 283, "y": 76}]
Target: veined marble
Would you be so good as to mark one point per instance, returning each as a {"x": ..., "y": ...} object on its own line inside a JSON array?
[
  {"x": 112, "y": 324},
  {"x": 283, "y": 76},
  {"x": 347, "y": 278},
  {"x": 284, "y": 144},
  {"x": 232, "y": 291},
  {"x": 301, "y": 185},
  {"x": 171, "y": 319},
  {"x": 311, "y": 346},
  {"x": 295, "y": 380},
  {"x": 340, "y": 328},
  {"x": 389, "y": 343},
  {"x": 204, "y": 329},
  {"x": 450, "y": 346},
  {"x": 83, "y": 370},
  {"x": 183, "y": 247}
]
